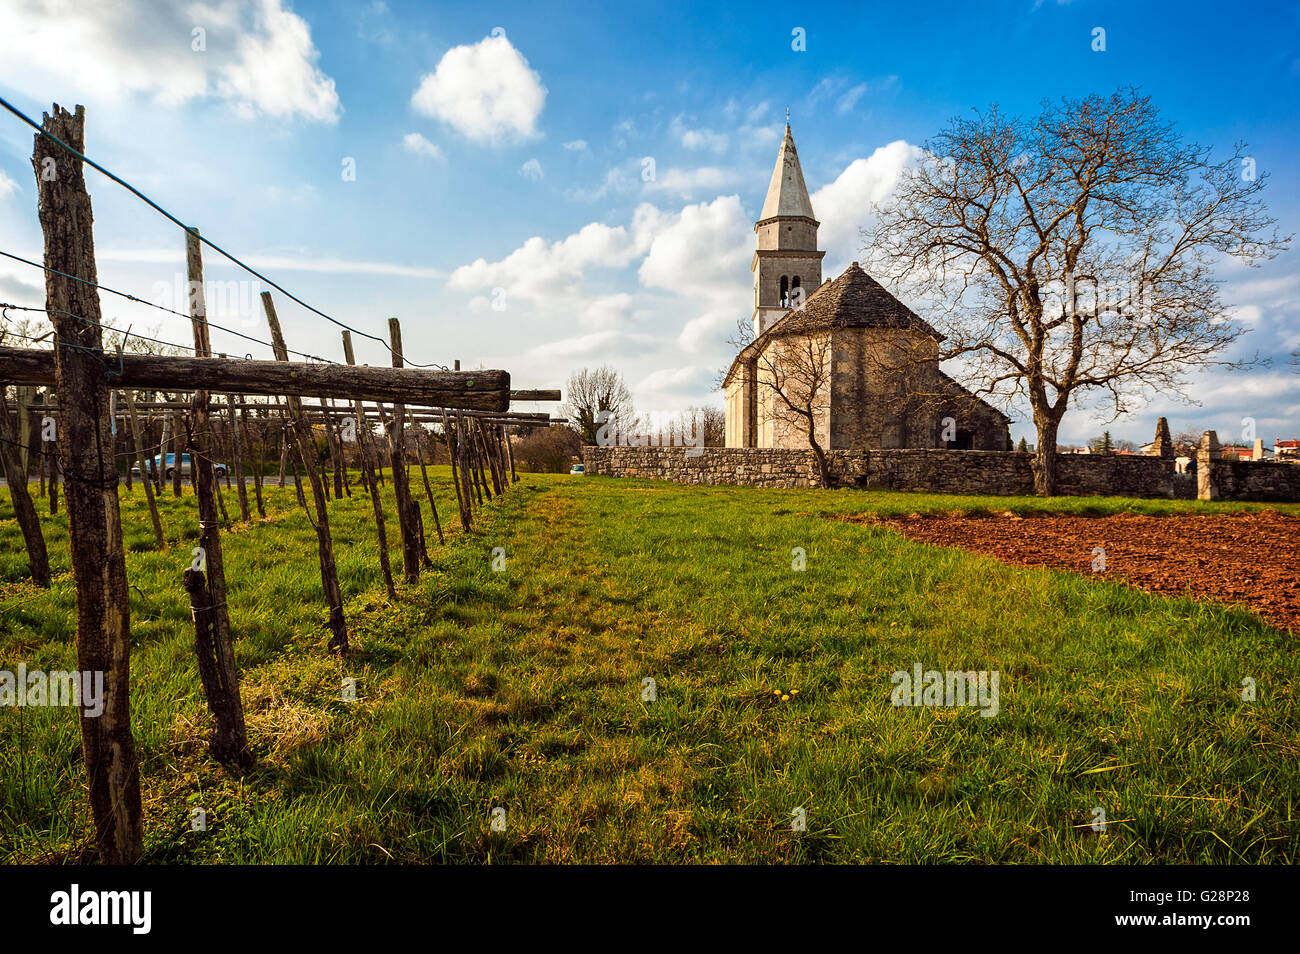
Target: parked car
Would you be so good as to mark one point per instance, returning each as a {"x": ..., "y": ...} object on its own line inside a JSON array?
[
  {"x": 218, "y": 468},
  {"x": 578, "y": 469}
]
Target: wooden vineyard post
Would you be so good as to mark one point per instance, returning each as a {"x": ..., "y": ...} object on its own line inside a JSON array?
[
  {"x": 52, "y": 455},
  {"x": 82, "y": 375},
  {"x": 237, "y": 452},
  {"x": 307, "y": 451},
  {"x": 476, "y": 454},
  {"x": 213, "y": 647},
  {"x": 336, "y": 451},
  {"x": 261, "y": 463},
  {"x": 367, "y": 468},
  {"x": 472, "y": 493},
  {"x": 452, "y": 447},
  {"x": 38, "y": 560},
  {"x": 257, "y": 471},
  {"x": 406, "y": 514},
  {"x": 488, "y": 459},
  {"x": 178, "y": 455},
  {"x": 164, "y": 445},
  {"x": 424, "y": 472},
  {"x": 510, "y": 455},
  {"x": 138, "y": 438}
]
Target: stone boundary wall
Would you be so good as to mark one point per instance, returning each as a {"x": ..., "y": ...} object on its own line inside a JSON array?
[
  {"x": 1255, "y": 480},
  {"x": 940, "y": 471}
]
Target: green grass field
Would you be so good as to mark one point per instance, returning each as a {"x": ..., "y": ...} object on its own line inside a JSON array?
[{"x": 522, "y": 689}]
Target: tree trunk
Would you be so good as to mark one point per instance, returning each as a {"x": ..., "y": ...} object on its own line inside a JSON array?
[
  {"x": 1045, "y": 457},
  {"x": 823, "y": 469}
]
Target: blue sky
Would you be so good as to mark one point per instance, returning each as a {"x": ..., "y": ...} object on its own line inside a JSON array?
[{"x": 499, "y": 206}]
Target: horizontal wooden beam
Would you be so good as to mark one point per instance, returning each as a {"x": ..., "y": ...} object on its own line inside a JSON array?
[
  {"x": 474, "y": 390},
  {"x": 535, "y": 395}
]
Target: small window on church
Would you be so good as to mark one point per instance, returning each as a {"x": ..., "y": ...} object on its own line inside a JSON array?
[
  {"x": 796, "y": 293},
  {"x": 785, "y": 292}
]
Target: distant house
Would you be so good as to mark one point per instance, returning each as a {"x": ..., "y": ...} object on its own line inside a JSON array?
[
  {"x": 1286, "y": 450},
  {"x": 1236, "y": 452}
]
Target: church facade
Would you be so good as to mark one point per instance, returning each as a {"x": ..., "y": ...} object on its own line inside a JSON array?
[{"x": 844, "y": 356}]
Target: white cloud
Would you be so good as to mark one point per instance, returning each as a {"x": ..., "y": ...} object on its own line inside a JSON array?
[
  {"x": 577, "y": 145},
  {"x": 7, "y": 186},
  {"x": 305, "y": 262},
  {"x": 698, "y": 138},
  {"x": 850, "y": 99},
  {"x": 541, "y": 271},
  {"x": 687, "y": 183},
  {"x": 532, "y": 169},
  {"x": 844, "y": 206},
  {"x": 486, "y": 92},
  {"x": 259, "y": 55},
  {"x": 418, "y": 144},
  {"x": 702, "y": 252}
]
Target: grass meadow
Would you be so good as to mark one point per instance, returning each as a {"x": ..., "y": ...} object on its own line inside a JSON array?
[{"x": 522, "y": 689}]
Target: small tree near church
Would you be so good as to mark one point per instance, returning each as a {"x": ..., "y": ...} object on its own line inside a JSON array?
[{"x": 795, "y": 374}]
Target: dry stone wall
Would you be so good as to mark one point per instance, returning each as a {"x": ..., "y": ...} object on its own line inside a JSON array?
[{"x": 940, "y": 471}]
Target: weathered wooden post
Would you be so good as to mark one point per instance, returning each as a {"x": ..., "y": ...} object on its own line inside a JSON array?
[
  {"x": 260, "y": 459},
  {"x": 145, "y": 478},
  {"x": 452, "y": 443},
  {"x": 237, "y": 452},
  {"x": 406, "y": 516},
  {"x": 98, "y": 559},
  {"x": 307, "y": 451},
  {"x": 367, "y": 468},
  {"x": 178, "y": 454},
  {"x": 424, "y": 471},
  {"x": 510, "y": 455},
  {"x": 213, "y": 647},
  {"x": 38, "y": 560}
]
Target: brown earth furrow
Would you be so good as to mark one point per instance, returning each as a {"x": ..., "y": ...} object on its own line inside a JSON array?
[{"x": 1251, "y": 558}]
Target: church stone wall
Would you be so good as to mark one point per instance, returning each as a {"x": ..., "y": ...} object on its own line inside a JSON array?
[
  {"x": 870, "y": 405},
  {"x": 939, "y": 471}
]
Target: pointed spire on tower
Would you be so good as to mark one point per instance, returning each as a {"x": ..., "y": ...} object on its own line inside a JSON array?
[{"x": 787, "y": 194}]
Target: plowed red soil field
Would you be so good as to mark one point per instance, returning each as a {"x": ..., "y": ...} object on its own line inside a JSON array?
[{"x": 1251, "y": 558}]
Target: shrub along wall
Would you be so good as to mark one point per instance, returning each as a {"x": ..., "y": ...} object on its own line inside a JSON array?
[{"x": 942, "y": 471}]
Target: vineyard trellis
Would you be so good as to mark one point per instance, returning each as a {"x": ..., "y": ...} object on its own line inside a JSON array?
[{"x": 95, "y": 390}]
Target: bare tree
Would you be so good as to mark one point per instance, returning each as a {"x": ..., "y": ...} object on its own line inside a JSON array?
[
  {"x": 589, "y": 392},
  {"x": 1073, "y": 252},
  {"x": 796, "y": 371}
]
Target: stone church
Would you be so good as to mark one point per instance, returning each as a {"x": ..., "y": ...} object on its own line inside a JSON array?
[{"x": 862, "y": 364}]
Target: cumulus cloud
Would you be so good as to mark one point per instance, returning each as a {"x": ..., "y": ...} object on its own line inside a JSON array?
[
  {"x": 576, "y": 145},
  {"x": 844, "y": 205},
  {"x": 687, "y": 183},
  {"x": 532, "y": 169},
  {"x": 698, "y": 138},
  {"x": 702, "y": 252},
  {"x": 541, "y": 271},
  {"x": 418, "y": 144},
  {"x": 486, "y": 92},
  {"x": 256, "y": 55},
  {"x": 7, "y": 185}
]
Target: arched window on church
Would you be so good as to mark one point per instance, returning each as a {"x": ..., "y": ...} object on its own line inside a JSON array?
[
  {"x": 796, "y": 293},
  {"x": 785, "y": 292}
]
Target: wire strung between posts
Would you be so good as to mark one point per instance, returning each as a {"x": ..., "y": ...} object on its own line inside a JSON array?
[
  {"x": 150, "y": 304},
  {"x": 212, "y": 245}
]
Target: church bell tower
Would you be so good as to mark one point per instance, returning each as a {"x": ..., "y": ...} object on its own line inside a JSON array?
[{"x": 787, "y": 266}]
